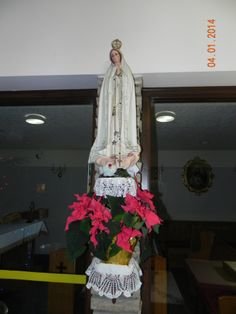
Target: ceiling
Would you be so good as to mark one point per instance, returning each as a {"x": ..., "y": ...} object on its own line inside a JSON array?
[
  {"x": 198, "y": 126},
  {"x": 66, "y": 127}
]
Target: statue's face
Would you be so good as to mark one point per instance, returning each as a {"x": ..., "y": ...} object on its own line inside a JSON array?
[{"x": 115, "y": 57}]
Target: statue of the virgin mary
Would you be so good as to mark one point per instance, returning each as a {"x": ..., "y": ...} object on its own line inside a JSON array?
[{"x": 116, "y": 143}]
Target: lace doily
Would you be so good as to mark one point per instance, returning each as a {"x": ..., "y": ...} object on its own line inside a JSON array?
[
  {"x": 118, "y": 187},
  {"x": 111, "y": 280}
]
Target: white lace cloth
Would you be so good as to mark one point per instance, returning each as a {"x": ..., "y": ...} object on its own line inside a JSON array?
[
  {"x": 118, "y": 187},
  {"x": 112, "y": 280}
]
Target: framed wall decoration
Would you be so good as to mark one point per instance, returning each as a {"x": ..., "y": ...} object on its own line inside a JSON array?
[{"x": 197, "y": 175}]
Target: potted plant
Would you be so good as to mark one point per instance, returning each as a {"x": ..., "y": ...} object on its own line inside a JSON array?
[{"x": 110, "y": 226}]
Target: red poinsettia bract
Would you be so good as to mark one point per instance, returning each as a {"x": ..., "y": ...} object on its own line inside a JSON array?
[
  {"x": 92, "y": 208},
  {"x": 124, "y": 237},
  {"x": 98, "y": 215},
  {"x": 143, "y": 206},
  {"x": 146, "y": 197},
  {"x": 80, "y": 209}
]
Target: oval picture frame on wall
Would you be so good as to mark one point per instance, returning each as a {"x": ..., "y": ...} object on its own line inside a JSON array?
[{"x": 197, "y": 175}]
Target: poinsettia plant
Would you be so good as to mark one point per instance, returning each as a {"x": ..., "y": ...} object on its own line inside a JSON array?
[{"x": 106, "y": 225}]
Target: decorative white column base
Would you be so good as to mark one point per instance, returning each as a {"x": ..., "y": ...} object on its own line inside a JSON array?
[
  {"x": 102, "y": 305},
  {"x": 112, "y": 280}
]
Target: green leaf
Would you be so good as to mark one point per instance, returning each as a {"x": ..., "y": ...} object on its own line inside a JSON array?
[
  {"x": 138, "y": 225},
  {"x": 76, "y": 239},
  {"x": 104, "y": 241},
  {"x": 146, "y": 248},
  {"x": 144, "y": 231},
  {"x": 78, "y": 252},
  {"x": 156, "y": 228},
  {"x": 85, "y": 225},
  {"x": 114, "y": 227},
  {"x": 96, "y": 252},
  {"x": 121, "y": 172},
  {"x": 146, "y": 254},
  {"x": 128, "y": 219},
  {"x": 114, "y": 204},
  {"x": 114, "y": 250},
  {"x": 118, "y": 217},
  {"x": 136, "y": 219}
]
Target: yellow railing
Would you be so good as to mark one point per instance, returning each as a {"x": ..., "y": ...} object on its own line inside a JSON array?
[{"x": 45, "y": 277}]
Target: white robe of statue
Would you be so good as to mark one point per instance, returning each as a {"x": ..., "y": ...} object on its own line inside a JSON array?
[{"x": 116, "y": 141}]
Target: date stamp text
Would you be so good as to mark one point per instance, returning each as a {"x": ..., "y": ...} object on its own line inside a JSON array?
[{"x": 211, "y": 43}]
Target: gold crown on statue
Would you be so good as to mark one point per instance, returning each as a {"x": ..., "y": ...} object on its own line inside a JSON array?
[{"x": 116, "y": 44}]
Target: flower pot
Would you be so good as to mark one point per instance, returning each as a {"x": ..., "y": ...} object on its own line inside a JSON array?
[{"x": 122, "y": 257}]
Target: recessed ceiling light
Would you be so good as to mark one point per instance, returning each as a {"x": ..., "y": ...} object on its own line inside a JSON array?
[
  {"x": 165, "y": 116},
  {"x": 35, "y": 118}
]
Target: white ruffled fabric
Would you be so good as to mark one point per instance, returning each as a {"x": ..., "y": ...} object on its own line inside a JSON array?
[
  {"x": 112, "y": 280},
  {"x": 118, "y": 187}
]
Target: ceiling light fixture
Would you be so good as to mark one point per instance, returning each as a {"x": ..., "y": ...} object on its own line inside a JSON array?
[
  {"x": 35, "y": 118},
  {"x": 165, "y": 116}
]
